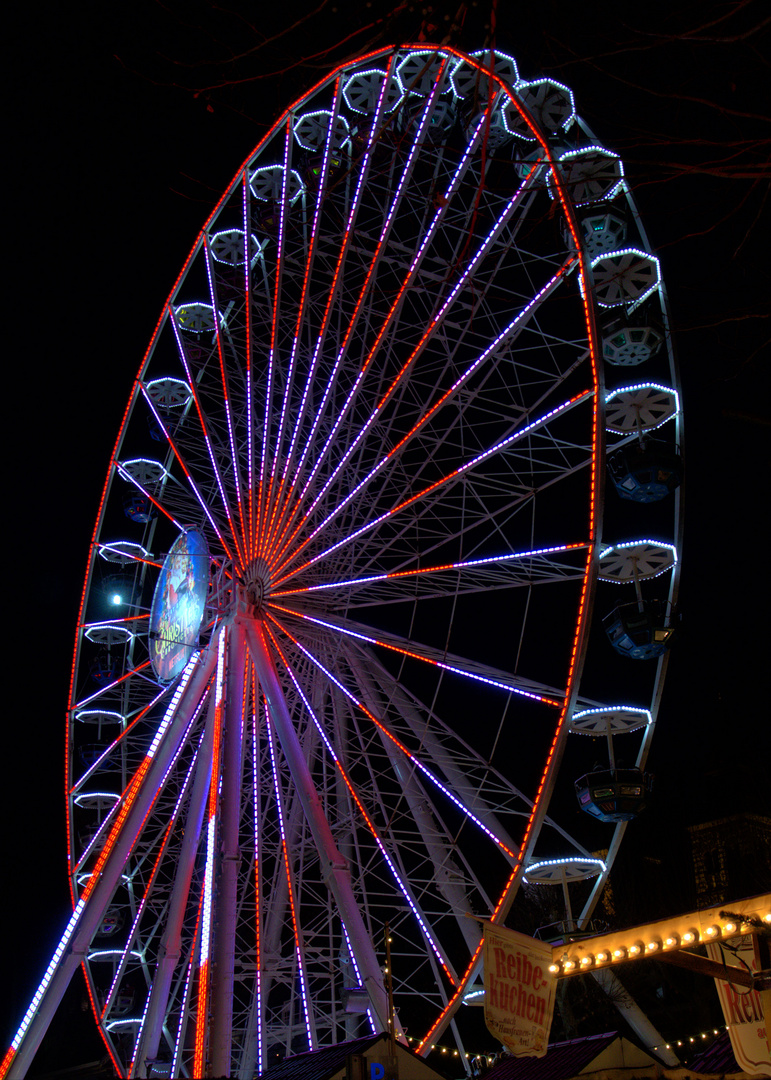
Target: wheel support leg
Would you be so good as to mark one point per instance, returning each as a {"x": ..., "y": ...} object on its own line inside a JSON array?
[
  {"x": 337, "y": 874},
  {"x": 171, "y": 943},
  {"x": 91, "y": 908},
  {"x": 228, "y": 858}
]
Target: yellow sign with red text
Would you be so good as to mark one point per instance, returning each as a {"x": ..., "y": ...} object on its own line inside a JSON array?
[{"x": 519, "y": 990}]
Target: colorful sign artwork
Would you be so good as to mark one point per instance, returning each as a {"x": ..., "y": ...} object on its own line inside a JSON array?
[
  {"x": 743, "y": 1009},
  {"x": 519, "y": 990},
  {"x": 178, "y": 605}
]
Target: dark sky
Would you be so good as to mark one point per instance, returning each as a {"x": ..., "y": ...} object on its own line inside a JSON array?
[{"x": 127, "y": 122}]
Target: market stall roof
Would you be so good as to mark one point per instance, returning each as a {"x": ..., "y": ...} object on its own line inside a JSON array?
[{"x": 330, "y": 1062}]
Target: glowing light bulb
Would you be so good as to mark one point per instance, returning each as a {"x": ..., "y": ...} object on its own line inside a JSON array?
[{"x": 116, "y": 598}]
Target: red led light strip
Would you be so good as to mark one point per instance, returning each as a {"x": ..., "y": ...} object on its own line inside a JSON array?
[
  {"x": 440, "y": 568},
  {"x": 277, "y": 553},
  {"x": 226, "y": 400},
  {"x": 333, "y": 290},
  {"x": 453, "y": 474},
  {"x": 248, "y": 312},
  {"x": 202, "y": 1018},
  {"x": 585, "y": 587},
  {"x": 266, "y": 485},
  {"x": 349, "y": 784},
  {"x": 397, "y": 379},
  {"x": 281, "y": 493},
  {"x": 374, "y": 263},
  {"x": 406, "y": 652},
  {"x": 193, "y": 485},
  {"x": 112, "y": 685}
]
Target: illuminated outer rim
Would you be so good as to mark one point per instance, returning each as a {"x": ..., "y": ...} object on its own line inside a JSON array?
[{"x": 379, "y": 511}]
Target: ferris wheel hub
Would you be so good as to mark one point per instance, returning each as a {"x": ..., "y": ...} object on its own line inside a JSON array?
[{"x": 256, "y": 587}]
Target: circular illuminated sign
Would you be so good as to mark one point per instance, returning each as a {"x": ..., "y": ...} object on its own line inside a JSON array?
[{"x": 178, "y": 605}]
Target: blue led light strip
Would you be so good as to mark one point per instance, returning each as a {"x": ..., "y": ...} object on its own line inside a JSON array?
[
  {"x": 467, "y": 564},
  {"x": 443, "y": 960},
  {"x": 449, "y": 477}
]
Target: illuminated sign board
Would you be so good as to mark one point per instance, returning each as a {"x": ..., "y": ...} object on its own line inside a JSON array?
[
  {"x": 743, "y": 1008},
  {"x": 178, "y": 605},
  {"x": 519, "y": 990}
]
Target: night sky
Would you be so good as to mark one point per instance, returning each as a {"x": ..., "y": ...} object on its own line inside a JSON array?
[{"x": 128, "y": 121}]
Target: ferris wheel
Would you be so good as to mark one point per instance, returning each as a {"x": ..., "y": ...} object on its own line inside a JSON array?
[{"x": 338, "y": 624}]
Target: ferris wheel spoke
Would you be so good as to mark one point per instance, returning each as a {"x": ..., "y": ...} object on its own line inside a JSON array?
[
  {"x": 455, "y": 883},
  {"x": 375, "y": 595},
  {"x": 145, "y": 492},
  {"x": 193, "y": 383},
  {"x": 336, "y": 276},
  {"x": 431, "y": 656},
  {"x": 249, "y": 358},
  {"x": 122, "y": 555},
  {"x": 269, "y": 461},
  {"x": 446, "y": 439},
  {"x": 436, "y": 322},
  {"x": 98, "y": 763},
  {"x": 490, "y": 518},
  {"x": 504, "y": 340},
  {"x": 137, "y": 671},
  {"x": 415, "y": 887},
  {"x": 389, "y": 857},
  {"x": 452, "y": 476},
  {"x": 402, "y": 748},
  {"x": 487, "y": 791},
  {"x": 303, "y": 320},
  {"x": 109, "y": 829},
  {"x": 411, "y": 274},
  {"x": 359, "y": 306},
  {"x": 477, "y": 575},
  {"x": 438, "y": 441},
  {"x": 482, "y": 512},
  {"x": 194, "y": 487},
  {"x": 226, "y": 396}
]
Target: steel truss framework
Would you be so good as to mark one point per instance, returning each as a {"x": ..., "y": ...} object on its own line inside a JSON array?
[{"x": 375, "y": 390}]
